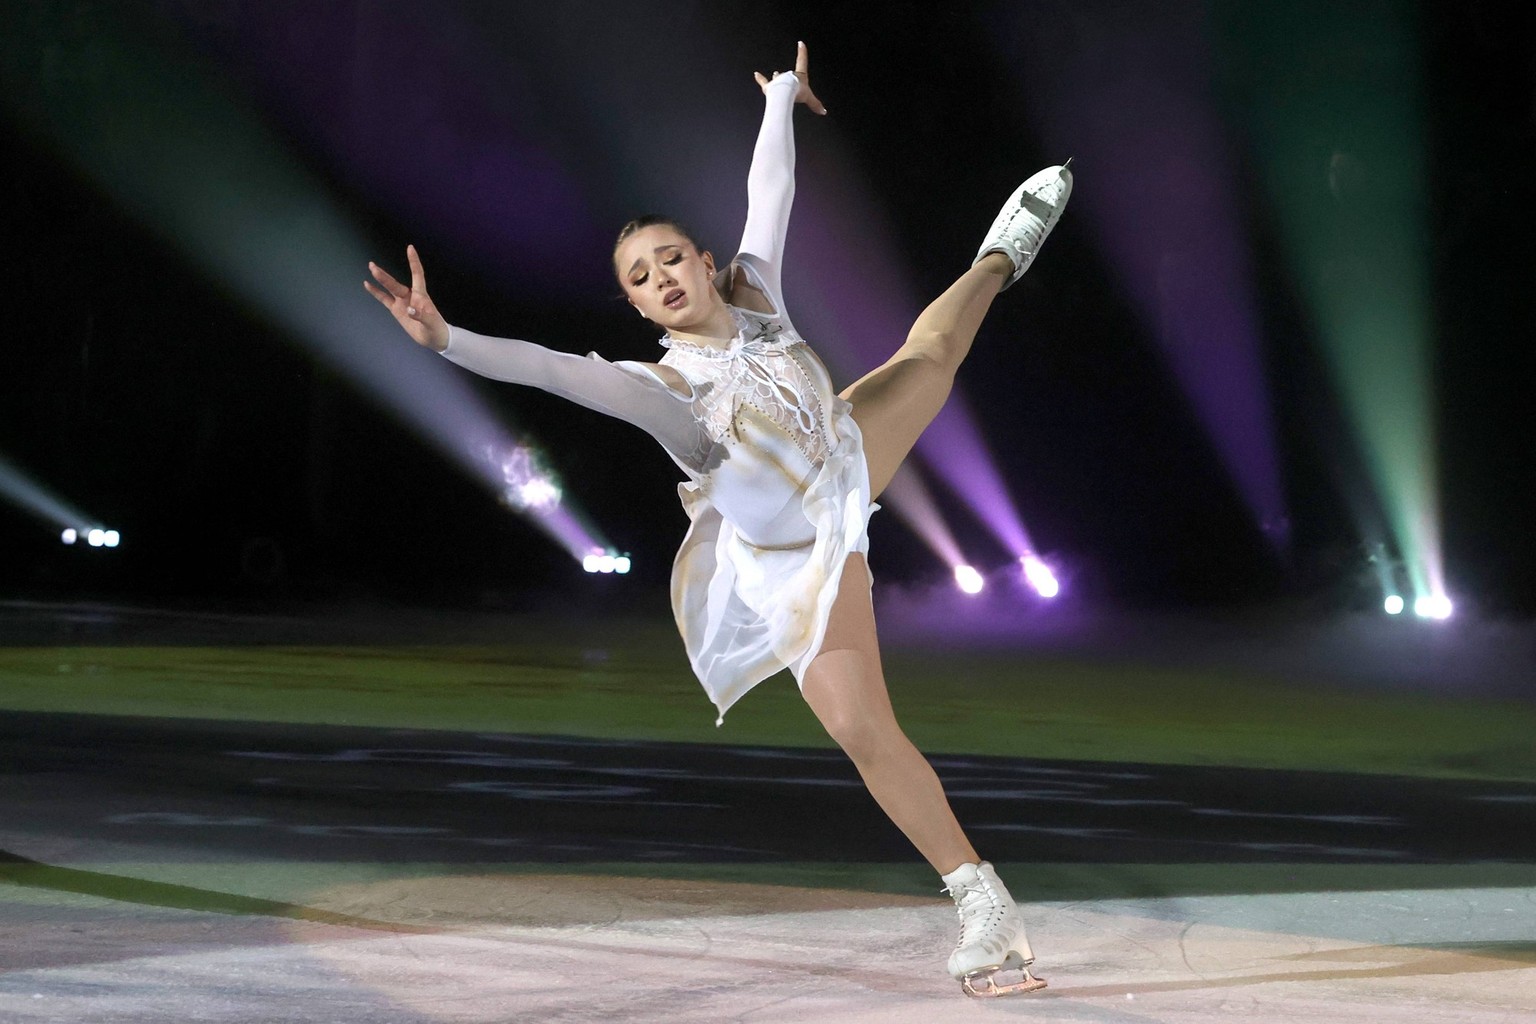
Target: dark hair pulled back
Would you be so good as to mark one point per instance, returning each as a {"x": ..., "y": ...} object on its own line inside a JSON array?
[{"x": 649, "y": 220}]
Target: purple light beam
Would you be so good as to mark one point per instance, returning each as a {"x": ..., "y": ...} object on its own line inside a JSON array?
[{"x": 1155, "y": 181}]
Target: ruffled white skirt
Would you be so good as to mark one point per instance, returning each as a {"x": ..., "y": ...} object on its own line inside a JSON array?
[{"x": 745, "y": 610}]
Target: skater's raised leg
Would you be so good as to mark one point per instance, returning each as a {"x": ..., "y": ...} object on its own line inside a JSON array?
[{"x": 894, "y": 403}]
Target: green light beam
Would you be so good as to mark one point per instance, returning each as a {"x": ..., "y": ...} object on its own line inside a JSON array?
[{"x": 1332, "y": 97}]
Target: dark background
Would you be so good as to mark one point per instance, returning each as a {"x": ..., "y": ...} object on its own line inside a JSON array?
[{"x": 241, "y": 469}]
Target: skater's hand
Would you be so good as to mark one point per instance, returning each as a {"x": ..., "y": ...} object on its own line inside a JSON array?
[
  {"x": 802, "y": 72},
  {"x": 412, "y": 307}
]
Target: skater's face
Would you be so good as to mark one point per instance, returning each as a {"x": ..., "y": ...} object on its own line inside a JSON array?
[{"x": 666, "y": 277}]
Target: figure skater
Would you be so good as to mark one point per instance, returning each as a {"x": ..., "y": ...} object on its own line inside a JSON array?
[{"x": 781, "y": 474}]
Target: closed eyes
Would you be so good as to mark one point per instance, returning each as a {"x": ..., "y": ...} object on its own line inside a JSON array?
[{"x": 676, "y": 257}]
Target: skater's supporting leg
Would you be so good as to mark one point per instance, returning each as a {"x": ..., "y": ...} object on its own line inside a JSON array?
[
  {"x": 845, "y": 687},
  {"x": 894, "y": 403}
]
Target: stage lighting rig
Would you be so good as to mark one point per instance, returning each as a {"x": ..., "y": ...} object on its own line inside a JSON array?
[
  {"x": 606, "y": 562},
  {"x": 94, "y": 536}
]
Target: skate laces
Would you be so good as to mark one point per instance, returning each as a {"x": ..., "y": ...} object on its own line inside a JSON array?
[
  {"x": 1033, "y": 234},
  {"x": 979, "y": 907},
  {"x": 1029, "y": 223}
]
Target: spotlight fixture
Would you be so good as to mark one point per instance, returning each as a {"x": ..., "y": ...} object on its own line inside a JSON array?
[
  {"x": 968, "y": 579},
  {"x": 95, "y": 536},
  {"x": 1039, "y": 576},
  {"x": 1432, "y": 606},
  {"x": 605, "y": 562},
  {"x": 1393, "y": 604}
]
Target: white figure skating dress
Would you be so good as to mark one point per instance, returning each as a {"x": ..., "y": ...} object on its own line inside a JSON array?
[{"x": 777, "y": 486}]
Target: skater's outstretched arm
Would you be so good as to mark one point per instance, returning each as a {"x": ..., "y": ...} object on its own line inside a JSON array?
[
  {"x": 628, "y": 391},
  {"x": 771, "y": 181}
]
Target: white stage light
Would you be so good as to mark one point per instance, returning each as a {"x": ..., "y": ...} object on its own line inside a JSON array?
[
  {"x": 1393, "y": 604},
  {"x": 111, "y": 538},
  {"x": 69, "y": 536},
  {"x": 537, "y": 494},
  {"x": 606, "y": 562},
  {"x": 527, "y": 486},
  {"x": 1040, "y": 576},
  {"x": 1432, "y": 606},
  {"x": 968, "y": 579},
  {"x": 96, "y": 538}
]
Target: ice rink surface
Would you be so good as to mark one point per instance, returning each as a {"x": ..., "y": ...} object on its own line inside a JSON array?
[
  {"x": 575, "y": 948},
  {"x": 158, "y": 871}
]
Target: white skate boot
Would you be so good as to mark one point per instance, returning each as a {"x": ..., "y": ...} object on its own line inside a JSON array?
[
  {"x": 991, "y": 934},
  {"x": 1027, "y": 217}
]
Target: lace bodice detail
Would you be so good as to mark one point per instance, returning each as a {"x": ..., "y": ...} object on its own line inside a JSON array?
[{"x": 767, "y": 368}]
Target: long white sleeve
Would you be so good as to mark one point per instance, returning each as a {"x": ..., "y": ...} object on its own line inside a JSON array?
[
  {"x": 625, "y": 390},
  {"x": 771, "y": 188}
]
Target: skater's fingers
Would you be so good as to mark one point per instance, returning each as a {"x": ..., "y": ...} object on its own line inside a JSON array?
[
  {"x": 762, "y": 82},
  {"x": 803, "y": 73},
  {"x": 384, "y": 278},
  {"x": 384, "y": 297},
  {"x": 418, "y": 275}
]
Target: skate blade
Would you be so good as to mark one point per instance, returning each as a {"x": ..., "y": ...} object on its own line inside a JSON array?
[{"x": 983, "y": 984}]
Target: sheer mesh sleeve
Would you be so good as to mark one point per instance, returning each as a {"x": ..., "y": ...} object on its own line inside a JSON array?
[
  {"x": 771, "y": 189},
  {"x": 625, "y": 390}
]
